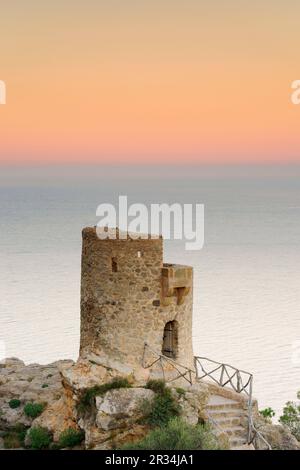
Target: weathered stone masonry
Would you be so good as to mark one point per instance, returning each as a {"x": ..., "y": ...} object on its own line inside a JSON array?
[{"x": 129, "y": 297}]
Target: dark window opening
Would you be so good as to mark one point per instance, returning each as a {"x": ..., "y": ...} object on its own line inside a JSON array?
[
  {"x": 170, "y": 339},
  {"x": 114, "y": 265}
]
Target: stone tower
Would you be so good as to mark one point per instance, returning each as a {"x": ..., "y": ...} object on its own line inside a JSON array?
[{"x": 129, "y": 298}]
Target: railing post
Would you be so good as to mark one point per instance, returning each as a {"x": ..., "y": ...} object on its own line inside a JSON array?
[
  {"x": 162, "y": 368},
  {"x": 144, "y": 353},
  {"x": 250, "y": 424},
  {"x": 222, "y": 375},
  {"x": 238, "y": 384},
  {"x": 196, "y": 367}
]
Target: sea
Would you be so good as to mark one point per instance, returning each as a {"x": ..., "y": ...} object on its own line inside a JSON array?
[{"x": 246, "y": 276}]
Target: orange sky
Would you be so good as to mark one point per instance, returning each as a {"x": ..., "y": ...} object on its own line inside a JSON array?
[{"x": 149, "y": 81}]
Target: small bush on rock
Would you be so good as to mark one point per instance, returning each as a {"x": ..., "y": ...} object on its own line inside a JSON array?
[
  {"x": 21, "y": 430},
  {"x": 14, "y": 438},
  {"x": 163, "y": 407},
  {"x": 177, "y": 435},
  {"x": 40, "y": 438},
  {"x": 157, "y": 386},
  {"x": 11, "y": 441},
  {"x": 268, "y": 413},
  {"x": 291, "y": 417},
  {"x": 33, "y": 410},
  {"x": 14, "y": 403},
  {"x": 70, "y": 438}
]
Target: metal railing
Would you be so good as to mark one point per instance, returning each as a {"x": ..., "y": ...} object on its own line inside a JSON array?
[
  {"x": 224, "y": 374},
  {"x": 166, "y": 364},
  {"x": 220, "y": 373},
  {"x": 239, "y": 380},
  {"x": 255, "y": 435}
]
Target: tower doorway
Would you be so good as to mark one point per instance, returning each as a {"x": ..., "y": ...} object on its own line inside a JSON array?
[{"x": 170, "y": 339}]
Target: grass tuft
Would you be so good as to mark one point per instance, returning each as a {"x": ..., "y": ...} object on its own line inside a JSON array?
[
  {"x": 157, "y": 386},
  {"x": 14, "y": 438},
  {"x": 70, "y": 438}
]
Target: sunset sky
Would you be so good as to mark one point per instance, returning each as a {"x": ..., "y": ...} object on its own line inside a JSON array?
[{"x": 149, "y": 81}]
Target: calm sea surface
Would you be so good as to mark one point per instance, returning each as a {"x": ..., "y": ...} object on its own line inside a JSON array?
[{"x": 247, "y": 276}]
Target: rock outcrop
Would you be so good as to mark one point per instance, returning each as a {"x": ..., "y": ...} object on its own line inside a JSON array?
[
  {"x": 116, "y": 415},
  {"x": 112, "y": 416},
  {"x": 34, "y": 384},
  {"x": 278, "y": 436}
]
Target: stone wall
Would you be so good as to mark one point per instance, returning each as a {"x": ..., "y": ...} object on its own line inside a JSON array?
[{"x": 123, "y": 304}]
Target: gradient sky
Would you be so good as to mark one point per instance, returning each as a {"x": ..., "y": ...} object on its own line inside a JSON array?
[{"x": 149, "y": 81}]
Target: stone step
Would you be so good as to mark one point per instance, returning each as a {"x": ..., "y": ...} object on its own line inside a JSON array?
[
  {"x": 228, "y": 422},
  {"x": 237, "y": 443},
  {"x": 229, "y": 416},
  {"x": 243, "y": 447},
  {"x": 228, "y": 406},
  {"x": 236, "y": 431},
  {"x": 226, "y": 413},
  {"x": 217, "y": 402}
]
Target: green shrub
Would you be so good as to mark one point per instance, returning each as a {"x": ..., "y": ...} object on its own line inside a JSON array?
[
  {"x": 21, "y": 430},
  {"x": 15, "y": 437},
  {"x": 14, "y": 403},
  {"x": 70, "y": 438},
  {"x": 45, "y": 386},
  {"x": 87, "y": 399},
  {"x": 163, "y": 407},
  {"x": 180, "y": 391},
  {"x": 157, "y": 386},
  {"x": 33, "y": 410},
  {"x": 11, "y": 441},
  {"x": 40, "y": 438},
  {"x": 267, "y": 413},
  {"x": 177, "y": 435},
  {"x": 291, "y": 417}
]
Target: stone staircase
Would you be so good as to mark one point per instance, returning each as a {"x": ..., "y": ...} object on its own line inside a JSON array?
[{"x": 229, "y": 416}]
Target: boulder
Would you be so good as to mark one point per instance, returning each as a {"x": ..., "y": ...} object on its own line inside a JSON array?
[
  {"x": 192, "y": 401},
  {"x": 120, "y": 407},
  {"x": 84, "y": 374}
]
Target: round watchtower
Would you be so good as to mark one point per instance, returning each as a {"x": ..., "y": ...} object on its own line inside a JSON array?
[{"x": 129, "y": 298}]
